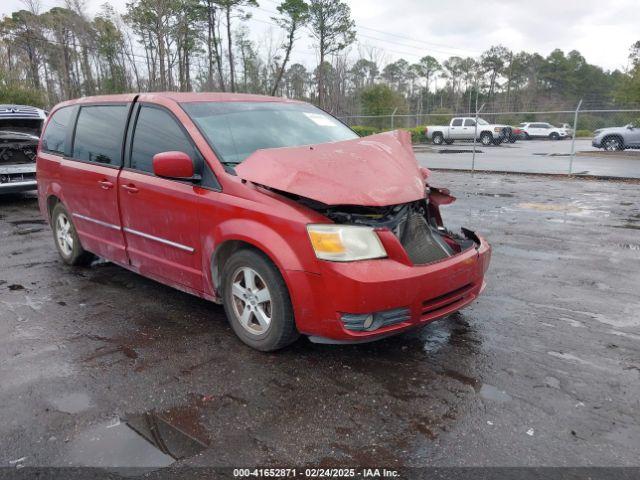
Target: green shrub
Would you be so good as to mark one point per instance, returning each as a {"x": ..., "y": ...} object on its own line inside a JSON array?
[
  {"x": 584, "y": 133},
  {"x": 417, "y": 134},
  {"x": 364, "y": 131}
]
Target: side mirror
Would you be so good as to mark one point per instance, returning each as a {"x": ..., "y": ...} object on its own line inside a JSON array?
[
  {"x": 176, "y": 165},
  {"x": 630, "y": 127}
]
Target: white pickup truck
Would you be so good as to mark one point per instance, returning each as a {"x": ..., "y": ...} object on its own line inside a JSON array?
[{"x": 464, "y": 128}]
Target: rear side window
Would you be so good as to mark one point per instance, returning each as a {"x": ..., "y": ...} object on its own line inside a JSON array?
[
  {"x": 54, "y": 139},
  {"x": 457, "y": 122},
  {"x": 157, "y": 131},
  {"x": 99, "y": 134}
]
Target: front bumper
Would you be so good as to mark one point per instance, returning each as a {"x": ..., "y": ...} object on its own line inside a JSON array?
[
  {"x": 428, "y": 292},
  {"x": 597, "y": 143},
  {"x": 17, "y": 178}
]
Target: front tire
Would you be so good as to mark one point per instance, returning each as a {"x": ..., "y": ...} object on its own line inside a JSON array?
[
  {"x": 257, "y": 302},
  {"x": 66, "y": 238},
  {"x": 612, "y": 144},
  {"x": 554, "y": 136}
]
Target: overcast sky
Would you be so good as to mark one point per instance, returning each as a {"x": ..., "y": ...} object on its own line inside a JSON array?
[{"x": 602, "y": 30}]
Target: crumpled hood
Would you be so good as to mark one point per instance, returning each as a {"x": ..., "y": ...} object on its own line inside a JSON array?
[{"x": 378, "y": 170}]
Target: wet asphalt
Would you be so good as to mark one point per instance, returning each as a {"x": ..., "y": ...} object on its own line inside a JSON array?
[
  {"x": 544, "y": 369},
  {"x": 533, "y": 156}
]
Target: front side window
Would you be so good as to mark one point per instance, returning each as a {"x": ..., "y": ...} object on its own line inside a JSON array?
[
  {"x": 54, "y": 139},
  {"x": 99, "y": 133},
  {"x": 237, "y": 129},
  {"x": 469, "y": 123},
  {"x": 157, "y": 131}
]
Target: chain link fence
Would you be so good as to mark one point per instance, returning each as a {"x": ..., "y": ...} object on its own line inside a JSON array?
[{"x": 540, "y": 152}]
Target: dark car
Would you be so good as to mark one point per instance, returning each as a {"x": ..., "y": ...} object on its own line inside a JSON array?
[{"x": 20, "y": 128}]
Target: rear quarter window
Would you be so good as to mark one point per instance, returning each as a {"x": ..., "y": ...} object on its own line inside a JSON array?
[
  {"x": 54, "y": 139},
  {"x": 99, "y": 134}
]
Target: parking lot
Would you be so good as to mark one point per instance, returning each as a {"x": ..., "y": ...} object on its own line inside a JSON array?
[
  {"x": 543, "y": 369},
  {"x": 533, "y": 156}
]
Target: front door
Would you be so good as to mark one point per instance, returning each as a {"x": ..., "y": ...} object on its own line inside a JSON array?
[
  {"x": 455, "y": 130},
  {"x": 89, "y": 177},
  {"x": 159, "y": 215}
]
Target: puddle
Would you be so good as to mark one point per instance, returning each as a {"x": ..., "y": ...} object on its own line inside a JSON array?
[
  {"x": 496, "y": 195},
  {"x": 629, "y": 246},
  {"x": 459, "y": 151},
  {"x": 549, "y": 207},
  {"x": 629, "y": 226},
  {"x": 72, "y": 402},
  {"x": 150, "y": 440},
  {"x": 435, "y": 339},
  {"x": 489, "y": 392}
]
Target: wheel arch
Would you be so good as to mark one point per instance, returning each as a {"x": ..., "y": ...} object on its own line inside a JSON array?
[
  {"x": 232, "y": 235},
  {"x": 614, "y": 135}
]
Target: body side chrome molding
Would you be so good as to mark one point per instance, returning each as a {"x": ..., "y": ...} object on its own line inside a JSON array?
[
  {"x": 160, "y": 240},
  {"x": 99, "y": 222}
]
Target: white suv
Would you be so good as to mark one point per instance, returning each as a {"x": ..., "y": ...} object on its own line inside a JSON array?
[{"x": 543, "y": 130}]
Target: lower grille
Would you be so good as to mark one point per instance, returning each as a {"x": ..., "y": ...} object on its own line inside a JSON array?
[
  {"x": 433, "y": 305},
  {"x": 421, "y": 243}
]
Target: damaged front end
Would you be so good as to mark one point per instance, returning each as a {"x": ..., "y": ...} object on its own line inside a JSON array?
[
  {"x": 20, "y": 127},
  {"x": 417, "y": 225}
]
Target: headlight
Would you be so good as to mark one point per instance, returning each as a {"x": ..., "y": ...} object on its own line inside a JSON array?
[{"x": 345, "y": 243}]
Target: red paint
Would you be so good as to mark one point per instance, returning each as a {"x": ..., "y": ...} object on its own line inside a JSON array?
[
  {"x": 173, "y": 165},
  {"x": 373, "y": 171}
]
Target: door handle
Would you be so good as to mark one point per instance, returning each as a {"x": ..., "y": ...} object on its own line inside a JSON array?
[
  {"x": 105, "y": 184},
  {"x": 130, "y": 188}
]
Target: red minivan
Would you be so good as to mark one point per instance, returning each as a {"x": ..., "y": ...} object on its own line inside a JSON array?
[{"x": 269, "y": 206}]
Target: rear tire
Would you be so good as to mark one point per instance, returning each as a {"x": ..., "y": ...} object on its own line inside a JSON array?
[
  {"x": 554, "y": 136},
  {"x": 438, "y": 138},
  {"x": 486, "y": 139},
  {"x": 256, "y": 301},
  {"x": 66, "y": 238}
]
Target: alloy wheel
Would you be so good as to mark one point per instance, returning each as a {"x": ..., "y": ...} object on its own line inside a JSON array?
[
  {"x": 251, "y": 300},
  {"x": 612, "y": 144},
  {"x": 63, "y": 234}
]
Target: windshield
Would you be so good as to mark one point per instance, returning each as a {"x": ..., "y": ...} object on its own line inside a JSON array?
[
  {"x": 237, "y": 129},
  {"x": 482, "y": 121}
]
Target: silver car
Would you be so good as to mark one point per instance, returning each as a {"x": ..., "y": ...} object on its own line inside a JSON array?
[
  {"x": 20, "y": 128},
  {"x": 617, "y": 138}
]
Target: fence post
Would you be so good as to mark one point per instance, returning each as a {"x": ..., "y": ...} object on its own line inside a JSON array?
[
  {"x": 475, "y": 135},
  {"x": 393, "y": 116},
  {"x": 573, "y": 137}
]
